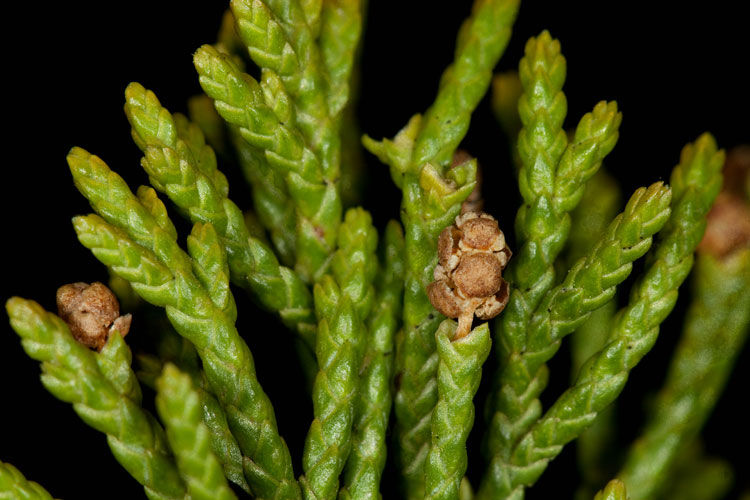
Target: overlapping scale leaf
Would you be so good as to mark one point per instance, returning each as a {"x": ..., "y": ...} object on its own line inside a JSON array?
[
  {"x": 180, "y": 409},
  {"x": 101, "y": 395}
]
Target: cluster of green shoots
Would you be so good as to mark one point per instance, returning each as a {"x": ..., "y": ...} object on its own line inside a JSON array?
[{"x": 387, "y": 374}]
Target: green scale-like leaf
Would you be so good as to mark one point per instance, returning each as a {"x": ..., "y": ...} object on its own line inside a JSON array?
[
  {"x": 104, "y": 393},
  {"x": 239, "y": 99},
  {"x": 717, "y": 325},
  {"x": 372, "y": 408},
  {"x": 14, "y": 486},
  {"x": 432, "y": 195},
  {"x": 459, "y": 373},
  {"x": 281, "y": 40},
  {"x": 328, "y": 440},
  {"x": 590, "y": 284},
  {"x": 552, "y": 180},
  {"x": 172, "y": 284},
  {"x": 342, "y": 304},
  {"x": 598, "y": 206},
  {"x": 175, "y": 167},
  {"x": 171, "y": 348},
  {"x": 695, "y": 183},
  {"x": 180, "y": 409}
]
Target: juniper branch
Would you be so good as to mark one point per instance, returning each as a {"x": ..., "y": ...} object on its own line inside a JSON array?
[
  {"x": 340, "y": 30},
  {"x": 13, "y": 485},
  {"x": 239, "y": 100},
  {"x": 589, "y": 284},
  {"x": 354, "y": 264},
  {"x": 328, "y": 440},
  {"x": 198, "y": 188},
  {"x": 138, "y": 249},
  {"x": 459, "y": 373},
  {"x": 430, "y": 204},
  {"x": 598, "y": 207},
  {"x": 431, "y": 200},
  {"x": 717, "y": 325},
  {"x": 695, "y": 183},
  {"x": 279, "y": 38},
  {"x": 171, "y": 348},
  {"x": 552, "y": 181},
  {"x": 271, "y": 200},
  {"x": 364, "y": 467},
  {"x": 481, "y": 41},
  {"x": 180, "y": 409},
  {"x": 73, "y": 373}
]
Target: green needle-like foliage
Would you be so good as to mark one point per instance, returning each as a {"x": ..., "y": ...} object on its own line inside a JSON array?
[
  {"x": 340, "y": 30},
  {"x": 271, "y": 200},
  {"x": 354, "y": 264},
  {"x": 342, "y": 304},
  {"x": 367, "y": 337},
  {"x": 432, "y": 198},
  {"x": 598, "y": 206},
  {"x": 717, "y": 325},
  {"x": 589, "y": 285},
  {"x": 180, "y": 408},
  {"x": 552, "y": 181},
  {"x": 195, "y": 293},
  {"x": 172, "y": 348},
  {"x": 279, "y": 39},
  {"x": 103, "y": 392},
  {"x": 615, "y": 490},
  {"x": 186, "y": 171},
  {"x": 695, "y": 183},
  {"x": 239, "y": 99},
  {"x": 459, "y": 373},
  {"x": 13, "y": 486},
  {"x": 481, "y": 41},
  {"x": 328, "y": 441},
  {"x": 372, "y": 408}
]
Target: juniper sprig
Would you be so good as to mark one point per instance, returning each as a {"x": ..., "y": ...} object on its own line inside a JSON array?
[
  {"x": 328, "y": 441},
  {"x": 695, "y": 183},
  {"x": 240, "y": 101},
  {"x": 372, "y": 408},
  {"x": 432, "y": 197},
  {"x": 589, "y": 285},
  {"x": 171, "y": 348},
  {"x": 387, "y": 322},
  {"x": 195, "y": 293},
  {"x": 459, "y": 373},
  {"x": 717, "y": 325},
  {"x": 180, "y": 408},
  {"x": 14, "y": 485},
  {"x": 552, "y": 180},
  {"x": 598, "y": 206},
  {"x": 185, "y": 169},
  {"x": 103, "y": 392}
]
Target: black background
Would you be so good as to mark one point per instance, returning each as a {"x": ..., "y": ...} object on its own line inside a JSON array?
[{"x": 674, "y": 72}]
